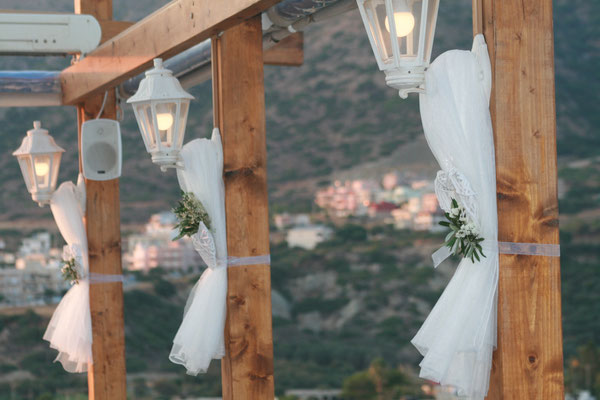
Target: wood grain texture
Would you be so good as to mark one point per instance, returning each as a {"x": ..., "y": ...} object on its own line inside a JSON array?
[
  {"x": 239, "y": 108},
  {"x": 107, "y": 376},
  {"x": 100, "y": 9},
  {"x": 168, "y": 31},
  {"x": 528, "y": 363},
  {"x": 288, "y": 52}
]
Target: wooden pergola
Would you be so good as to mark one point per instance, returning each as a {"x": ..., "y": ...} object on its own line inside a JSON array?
[{"x": 528, "y": 363}]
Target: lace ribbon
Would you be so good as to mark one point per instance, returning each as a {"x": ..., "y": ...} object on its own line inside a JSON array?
[
  {"x": 204, "y": 243},
  {"x": 453, "y": 184},
  {"x": 524, "y": 249}
]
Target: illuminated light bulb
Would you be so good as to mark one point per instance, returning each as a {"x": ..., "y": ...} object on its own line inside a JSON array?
[
  {"x": 405, "y": 23},
  {"x": 164, "y": 121},
  {"x": 41, "y": 168}
]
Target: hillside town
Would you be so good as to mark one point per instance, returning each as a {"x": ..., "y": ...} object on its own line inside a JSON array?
[
  {"x": 31, "y": 275},
  {"x": 407, "y": 203}
]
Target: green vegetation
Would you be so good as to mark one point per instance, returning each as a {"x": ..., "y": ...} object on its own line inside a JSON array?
[{"x": 381, "y": 382}]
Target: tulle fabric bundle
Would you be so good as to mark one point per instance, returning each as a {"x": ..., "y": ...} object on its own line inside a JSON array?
[
  {"x": 200, "y": 336},
  {"x": 459, "y": 335},
  {"x": 70, "y": 328}
]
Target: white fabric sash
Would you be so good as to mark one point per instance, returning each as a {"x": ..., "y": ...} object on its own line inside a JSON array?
[
  {"x": 458, "y": 337},
  {"x": 70, "y": 329},
  {"x": 200, "y": 335}
]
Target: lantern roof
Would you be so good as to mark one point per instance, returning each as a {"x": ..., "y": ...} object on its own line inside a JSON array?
[
  {"x": 38, "y": 141},
  {"x": 159, "y": 84}
]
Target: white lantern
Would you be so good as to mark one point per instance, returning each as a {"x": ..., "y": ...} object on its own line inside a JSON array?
[
  {"x": 39, "y": 158},
  {"x": 401, "y": 33},
  {"x": 161, "y": 107}
]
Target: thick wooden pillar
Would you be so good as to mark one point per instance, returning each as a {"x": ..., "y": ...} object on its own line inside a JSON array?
[
  {"x": 528, "y": 363},
  {"x": 106, "y": 377},
  {"x": 239, "y": 109}
]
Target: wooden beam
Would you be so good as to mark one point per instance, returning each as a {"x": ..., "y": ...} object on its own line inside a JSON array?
[
  {"x": 528, "y": 363},
  {"x": 100, "y": 9},
  {"x": 239, "y": 109},
  {"x": 107, "y": 376},
  {"x": 175, "y": 27},
  {"x": 288, "y": 52}
]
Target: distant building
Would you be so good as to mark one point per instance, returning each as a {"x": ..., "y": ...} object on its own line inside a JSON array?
[
  {"x": 402, "y": 218},
  {"x": 389, "y": 181},
  {"x": 7, "y": 258},
  {"x": 420, "y": 184},
  {"x": 31, "y": 262},
  {"x": 381, "y": 209},
  {"x": 38, "y": 243},
  {"x": 347, "y": 198},
  {"x": 32, "y": 286},
  {"x": 423, "y": 221},
  {"x": 156, "y": 248},
  {"x": 429, "y": 203},
  {"x": 178, "y": 255},
  {"x": 315, "y": 394},
  {"x": 308, "y": 237},
  {"x": 285, "y": 220}
]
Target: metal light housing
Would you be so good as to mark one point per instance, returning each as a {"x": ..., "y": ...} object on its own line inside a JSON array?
[
  {"x": 401, "y": 34},
  {"x": 161, "y": 108},
  {"x": 39, "y": 159}
]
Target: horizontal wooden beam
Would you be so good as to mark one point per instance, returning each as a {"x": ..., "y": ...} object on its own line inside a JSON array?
[
  {"x": 288, "y": 52},
  {"x": 175, "y": 27}
]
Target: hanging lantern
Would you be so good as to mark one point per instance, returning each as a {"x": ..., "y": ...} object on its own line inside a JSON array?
[
  {"x": 39, "y": 159},
  {"x": 401, "y": 33},
  {"x": 161, "y": 107}
]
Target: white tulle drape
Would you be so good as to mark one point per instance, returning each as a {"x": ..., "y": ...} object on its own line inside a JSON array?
[
  {"x": 459, "y": 335},
  {"x": 200, "y": 336},
  {"x": 70, "y": 329}
]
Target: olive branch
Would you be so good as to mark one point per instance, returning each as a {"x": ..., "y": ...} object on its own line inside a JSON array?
[
  {"x": 190, "y": 212},
  {"x": 463, "y": 238}
]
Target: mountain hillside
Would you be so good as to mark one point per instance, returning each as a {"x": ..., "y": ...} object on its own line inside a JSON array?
[{"x": 323, "y": 118}]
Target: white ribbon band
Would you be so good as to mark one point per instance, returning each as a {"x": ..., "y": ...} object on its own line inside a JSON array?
[
  {"x": 252, "y": 260},
  {"x": 96, "y": 277},
  {"x": 523, "y": 249}
]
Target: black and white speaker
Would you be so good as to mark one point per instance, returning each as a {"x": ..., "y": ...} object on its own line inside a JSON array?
[{"x": 101, "y": 149}]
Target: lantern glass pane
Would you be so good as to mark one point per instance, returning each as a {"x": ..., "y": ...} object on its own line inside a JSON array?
[
  {"x": 165, "y": 122},
  {"x": 432, "y": 10},
  {"x": 55, "y": 167},
  {"x": 183, "y": 112},
  {"x": 148, "y": 127},
  {"x": 41, "y": 168},
  {"x": 408, "y": 21},
  {"x": 25, "y": 162},
  {"x": 376, "y": 14}
]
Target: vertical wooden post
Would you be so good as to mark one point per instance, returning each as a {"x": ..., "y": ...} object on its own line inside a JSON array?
[
  {"x": 528, "y": 363},
  {"x": 239, "y": 110},
  {"x": 106, "y": 377}
]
